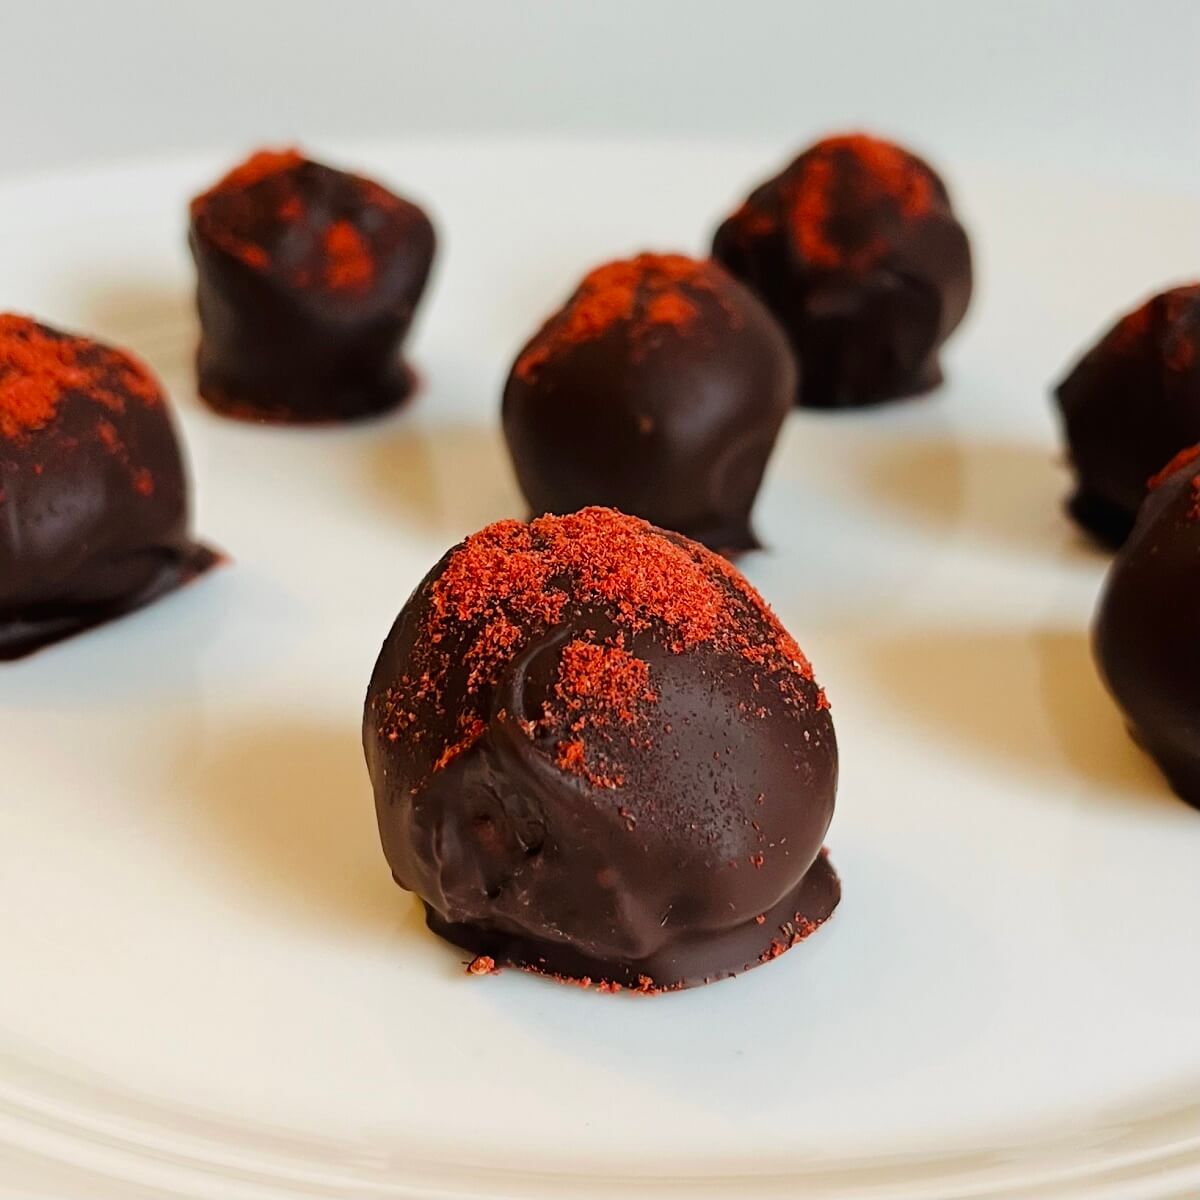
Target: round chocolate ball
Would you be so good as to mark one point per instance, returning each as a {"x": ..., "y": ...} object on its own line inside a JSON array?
[
  {"x": 658, "y": 389},
  {"x": 1128, "y": 405},
  {"x": 1147, "y": 642},
  {"x": 308, "y": 279},
  {"x": 855, "y": 248},
  {"x": 597, "y": 754},
  {"x": 93, "y": 497}
]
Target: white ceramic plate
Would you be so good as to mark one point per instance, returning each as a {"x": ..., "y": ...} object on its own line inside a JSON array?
[{"x": 210, "y": 986}]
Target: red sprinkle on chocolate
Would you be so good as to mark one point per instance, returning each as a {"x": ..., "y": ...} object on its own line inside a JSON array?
[
  {"x": 853, "y": 170},
  {"x": 40, "y": 367},
  {"x": 349, "y": 265},
  {"x": 649, "y": 293},
  {"x": 482, "y": 964},
  {"x": 251, "y": 211},
  {"x": 513, "y": 581},
  {"x": 1185, "y": 458}
]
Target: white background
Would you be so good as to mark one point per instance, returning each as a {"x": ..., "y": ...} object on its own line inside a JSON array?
[{"x": 1109, "y": 87}]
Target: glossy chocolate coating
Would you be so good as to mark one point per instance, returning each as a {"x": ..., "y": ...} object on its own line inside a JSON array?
[
  {"x": 1129, "y": 404},
  {"x": 1146, "y": 638},
  {"x": 671, "y": 419},
  {"x": 93, "y": 498},
  {"x": 672, "y": 849},
  {"x": 855, "y": 248},
  {"x": 307, "y": 282}
]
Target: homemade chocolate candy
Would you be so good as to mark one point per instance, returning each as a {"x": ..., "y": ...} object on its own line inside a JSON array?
[
  {"x": 307, "y": 283},
  {"x": 597, "y": 754},
  {"x": 856, "y": 250},
  {"x": 93, "y": 499},
  {"x": 1131, "y": 403},
  {"x": 659, "y": 389},
  {"x": 1147, "y": 640}
]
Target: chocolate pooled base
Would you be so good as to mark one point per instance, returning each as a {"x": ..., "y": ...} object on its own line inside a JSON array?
[
  {"x": 1146, "y": 638},
  {"x": 658, "y": 389},
  {"x": 1128, "y": 405},
  {"x": 307, "y": 281},
  {"x": 855, "y": 248},
  {"x": 93, "y": 496},
  {"x": 596, "y": 754}
]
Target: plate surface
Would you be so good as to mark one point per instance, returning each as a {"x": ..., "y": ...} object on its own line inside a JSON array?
[{"x": 213, "y": 989}]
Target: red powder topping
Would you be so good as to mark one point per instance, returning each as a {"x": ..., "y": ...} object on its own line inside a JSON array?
[
  {"x": 39, "y": 368},
  {"x": 853, "y": 176},
  {"x": 604, "y": 681},
  {"x": 1183, "y": 459},
  {"x": 512, "y": 582},
  {"x": 349, "y": 265},
  {"x": 1132, "y": 328},
  {"x": 598, "y": 685},
  {"x": 259, "y": 166},
  {"x": 1167, "y": 324},
  {"x": 483, "y": 964},
  {"x": 267, "y": 213},
  {"x": 649, "y": 293}
]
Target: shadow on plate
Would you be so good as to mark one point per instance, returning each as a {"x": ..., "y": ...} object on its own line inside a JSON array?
[
  {"x": 154, "y": 319},
  {"x": 1030, "y": 700},
  {"x": 451, "y": 479},
  {"x": 1010, "y": 493},
  {"x": 288, "y": 806},
  {"x": 863, "y": 978}
]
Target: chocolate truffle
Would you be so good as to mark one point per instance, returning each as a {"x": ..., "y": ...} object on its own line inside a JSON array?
[
  {"x": 856, "y": 250},
  {"x": 1147, "y": 641},
  {"x": 93, "y": 499},
  {"x": 659, "y": 389},
  {"x": 307, "y": 283},
  {"x": 1129, "y": 404},
  {"x": 597, "y": 754}
]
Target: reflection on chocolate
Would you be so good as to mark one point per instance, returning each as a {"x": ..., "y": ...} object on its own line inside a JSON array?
[
  {"x": 597, "y": 754},
  {"x": 659, "y": 389},
  {"x": 1129, "y": 404},
  {"x": 308, "y": 279},
  {"x": 93, "y": 499},
  {"x": 1146, "y": 638},
  {"x": 855, "y": 248}
]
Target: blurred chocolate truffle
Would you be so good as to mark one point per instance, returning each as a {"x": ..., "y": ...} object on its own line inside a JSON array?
[
  {"x": 1147, "y": 640},
  {"x": 597, "y": 754},
  {"x": 855, "y": 248},
  {"x": 93, "y": 498},
  {"x": 1131, "y": 403},
  {"x": 659, "y": 389},
  {"x": 308, "y": 279}
]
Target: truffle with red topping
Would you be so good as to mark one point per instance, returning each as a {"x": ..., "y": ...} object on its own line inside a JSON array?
[
  {"x": 597, "y": 754},
  {"x": 93, "y": 498},
  {"x": 659, "y": 389},
  {"x": 1128, "y": 405},
  {"x": 855, "y": 248},
  {"x": 308, "y": 279},
  {"x": 1147, "y": 641}
]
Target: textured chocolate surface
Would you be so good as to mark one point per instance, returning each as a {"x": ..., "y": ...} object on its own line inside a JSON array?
[
  {"x": 596, "y": 753},
  {"x": 1147, "y": 641},
  {"x": 658, "y": 389},
  {"x": 308, "y": 279},
  {"x": 855, "y": 248},
  {"x": 93, "y": 498},
  {"x": 1129, "y": 404}
]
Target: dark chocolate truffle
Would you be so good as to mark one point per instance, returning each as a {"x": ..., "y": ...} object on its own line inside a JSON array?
[
  {"x": 856, "y": 250},
  {"x": 93, "y": 499},
  {"x": 1147, "y": 640},
  {"x": 597, "y": 754},
  {"x": 1129, "y": 404},
  {"x": 308, "y": 279},
  {"x": 659, "y": 389}
]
